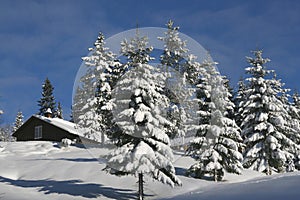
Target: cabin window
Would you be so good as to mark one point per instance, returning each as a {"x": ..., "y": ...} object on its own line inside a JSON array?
[{"x": 38, "y": 132}]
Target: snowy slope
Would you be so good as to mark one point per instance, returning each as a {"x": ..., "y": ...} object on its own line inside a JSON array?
[
  {"x": 276, "y": 187},
  {"x": 41, "y": 170}
]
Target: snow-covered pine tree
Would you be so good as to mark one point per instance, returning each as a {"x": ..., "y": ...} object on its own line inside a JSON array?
[
  {"x": 175, "y": 49},
  {"x": 79, "y": 101},
  {"x": 107, "y": 82},
  {"x": 296, "y": 100},
  {"x": 174, "y": 59},
  {"x": 294, "y": 111},
  {"x": 47, "y": 100},
  {"x": 203, "y": 96},
  {"x": 71, "y": 115},
  {"x": 18, "y": 121},
  {"x": 6, "y": 133},
  {"x": 140, "y": 106},
  {"x": 238, "y": 98},
  {"x": 96, "y": 111},
  {"x": 292, "y": 131},
  {"x": 231, "y": 111},
  {"x": 83, "y": 94},
  {"x": 264, "y": 124},
  {"x": 292, "y": 117},
  {"x": 217, "y": 142},
  {"x": 295, "y": 115},
  {"x": 59, "y": 112}
]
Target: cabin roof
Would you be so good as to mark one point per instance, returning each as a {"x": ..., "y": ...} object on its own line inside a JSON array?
[{"x": 65, "y": 125}]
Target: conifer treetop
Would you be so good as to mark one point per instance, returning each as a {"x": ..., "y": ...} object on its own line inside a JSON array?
[{"x": 47, "y": 100}]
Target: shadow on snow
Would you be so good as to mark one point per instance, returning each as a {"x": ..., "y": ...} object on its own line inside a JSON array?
[
  {"x": 78, "y": 159},
  {"x": 73, "y": 159},
  {"x": 73, "y": 188},
  {"x": 180, "y": 171}
]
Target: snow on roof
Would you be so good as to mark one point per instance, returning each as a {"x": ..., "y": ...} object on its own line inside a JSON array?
[
  {"x": 65, "y": 125},
  {"x": 48, "y": 111}
]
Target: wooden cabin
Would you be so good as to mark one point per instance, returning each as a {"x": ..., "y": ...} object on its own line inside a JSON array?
[{"x": 46, "y": 128}]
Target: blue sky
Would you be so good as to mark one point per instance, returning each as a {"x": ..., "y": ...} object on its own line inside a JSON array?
[{"x": 40, "y": 39}]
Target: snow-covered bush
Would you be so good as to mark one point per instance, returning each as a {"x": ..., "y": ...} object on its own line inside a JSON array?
[
  {"x": 65, "y": 142},
  {"x": 6, "y": 134}
]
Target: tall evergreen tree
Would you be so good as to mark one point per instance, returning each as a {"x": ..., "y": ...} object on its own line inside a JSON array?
[
  {"x": 239, "y": 97},
  {"x": 47, "y": 100},
  {"x": 79, "y": 100},
  {"x": 231, "y": 110},
  {"x": 295, "y": 124},
  {"x": 88, "y": 81},
  {"x": 295, "y": 115},
  {"x": 71, "y": 115},
  {"x": 59, "y": 112},
  {"x": 96, "y": 113},
  {"x": 203, "y": 96},
  {"x": 139, "y": 112},
  {"x": 264, "y": 123},
  {"x": 18, "y": 121},
  {"x": 217, "y": 142},
  {"x": 6, "y": 133},
  {"x": 174, "y": 48},
  {"x": 174, "y": 60}
]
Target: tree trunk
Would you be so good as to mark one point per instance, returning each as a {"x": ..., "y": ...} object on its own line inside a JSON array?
[
  {"x": 141, "y": 187},
  {"x": 215, "y": 175},
  {"x": 269, "y": 171}
]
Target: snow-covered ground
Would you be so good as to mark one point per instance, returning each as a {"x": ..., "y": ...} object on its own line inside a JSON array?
[{"x": 42, "y": 170}]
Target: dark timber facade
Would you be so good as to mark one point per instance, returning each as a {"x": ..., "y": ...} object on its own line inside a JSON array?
[{"x": 39, "y": 129}]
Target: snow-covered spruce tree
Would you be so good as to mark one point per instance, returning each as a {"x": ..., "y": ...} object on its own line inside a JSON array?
[
  {"x": 78, "y": 103},
  {"x": 295, "y": 115},
  {"x": 47, "y": 100},
  {"x": 174, "y": 48},
  {"x": 139, "y": 111},
  {"x": 238, "y": 98},
  {"x": 18, "y": 121},
  {"x": 264, "y": 123},
  {"x": 231, "y": 111},
  {"x": 294, "y": 110},
  {"x": 71, "y": 115},
  {"x": 174, "y": 60},
  {"x": 106, "y": 82},
  {"x": 296, "y": 124},
  {"x": 59, "y": 112},
  {"x": 84, "y": 93},
  {"x": 6, "y": 133},
  {"x": 289, "y": 129},
  {"x": 96, "y": 113},
  {"x": 217, "y": 142},
  {"x": 135, "y": 51},
  {"x": 203, "y": 96}
]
